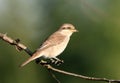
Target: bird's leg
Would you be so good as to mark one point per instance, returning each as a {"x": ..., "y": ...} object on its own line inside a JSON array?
[
  {"x": 38, "y": 60},
  {"x": 56, "y": 61}
]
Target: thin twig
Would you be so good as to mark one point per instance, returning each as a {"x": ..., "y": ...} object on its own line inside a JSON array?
[
  {"x": 21, "y": 46},
  {"x": 81, "y": 76},
  {"x": 53, "y": 76},
  {"x": 17, "y": 44}
]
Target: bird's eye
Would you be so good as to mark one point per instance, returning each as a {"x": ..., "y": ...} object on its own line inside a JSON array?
[
  {"x": 68, "y": 27},
  {"x": 63, "y": 28}
]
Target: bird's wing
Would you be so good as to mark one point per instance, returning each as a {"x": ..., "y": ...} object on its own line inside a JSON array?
[{"x": 55, "y": 39}]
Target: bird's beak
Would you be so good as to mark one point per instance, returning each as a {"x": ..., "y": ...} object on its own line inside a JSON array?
[{"x": 74, "y": 30}]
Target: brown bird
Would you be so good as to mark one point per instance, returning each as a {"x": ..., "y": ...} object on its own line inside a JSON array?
[{"x": 54, "y": 45}]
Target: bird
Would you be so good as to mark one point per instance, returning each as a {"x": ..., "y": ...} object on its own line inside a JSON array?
[{"x": 54, "y": 45}]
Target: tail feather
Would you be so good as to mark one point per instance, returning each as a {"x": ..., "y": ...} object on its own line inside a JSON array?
[
  {"x": 35, "y": 56},
  {"x": 26, "y": 62}
]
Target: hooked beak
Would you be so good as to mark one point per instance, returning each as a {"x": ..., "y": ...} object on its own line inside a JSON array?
[{"x": 74, "y": 30}]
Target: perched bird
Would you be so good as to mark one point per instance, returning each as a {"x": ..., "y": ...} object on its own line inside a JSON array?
[{"x": 54, "y": 45}]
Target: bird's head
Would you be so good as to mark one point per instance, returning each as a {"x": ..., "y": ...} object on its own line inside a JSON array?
[{"x": 67, "y": 29}]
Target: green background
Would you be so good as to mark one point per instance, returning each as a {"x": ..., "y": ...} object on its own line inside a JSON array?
[{"x": 94, "y": 51}]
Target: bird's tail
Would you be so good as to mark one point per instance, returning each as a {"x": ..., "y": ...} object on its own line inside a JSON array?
[
  {"x": 26, "y": 62},
  {"x": 33, "y": 57}
]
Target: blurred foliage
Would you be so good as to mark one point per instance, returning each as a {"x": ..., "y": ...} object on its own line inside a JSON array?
[{"x": 94, "y": 51}]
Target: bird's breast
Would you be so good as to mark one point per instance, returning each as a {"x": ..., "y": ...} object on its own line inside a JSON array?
[{"x": 58, "y": 49}]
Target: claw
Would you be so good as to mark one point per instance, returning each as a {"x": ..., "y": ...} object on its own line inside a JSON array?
[
  {"x": 43, "y": 62},
  {"x": 56, "y": 61}
]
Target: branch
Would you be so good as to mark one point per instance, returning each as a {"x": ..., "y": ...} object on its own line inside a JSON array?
[
  {"x": 80, "y": 76},
  {"x": 19, "y": 46},
  {"x": 16, "y": 43}
]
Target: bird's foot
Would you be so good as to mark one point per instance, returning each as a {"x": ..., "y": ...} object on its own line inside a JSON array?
[
  {"x": 56, "y": 61},
  {"x": 42, "y": 62}
]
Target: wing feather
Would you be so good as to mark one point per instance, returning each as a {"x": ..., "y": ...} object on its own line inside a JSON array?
[{"x": 55, "y": 39}]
